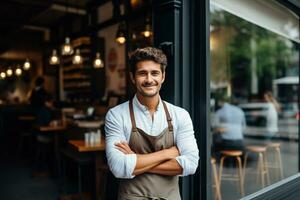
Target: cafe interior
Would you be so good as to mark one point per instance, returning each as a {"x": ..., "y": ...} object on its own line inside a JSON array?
[{"x": 73, "y": 55}]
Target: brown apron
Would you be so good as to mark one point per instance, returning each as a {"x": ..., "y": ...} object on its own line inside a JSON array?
[{"x": 149, "y": 186}]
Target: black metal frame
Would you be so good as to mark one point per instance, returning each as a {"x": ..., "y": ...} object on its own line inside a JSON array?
[{"x": 285, "y": 189}]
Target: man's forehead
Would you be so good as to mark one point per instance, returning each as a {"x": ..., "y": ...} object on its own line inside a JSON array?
[{"x": 147, "y": 65}]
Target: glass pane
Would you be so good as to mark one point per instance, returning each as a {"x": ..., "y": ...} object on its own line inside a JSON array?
[{"x": 254, "y": 110}]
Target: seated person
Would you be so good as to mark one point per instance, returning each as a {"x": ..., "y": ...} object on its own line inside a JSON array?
[
  {"x": 47, "y": 114},
  {"x": 229, "y": 123}
]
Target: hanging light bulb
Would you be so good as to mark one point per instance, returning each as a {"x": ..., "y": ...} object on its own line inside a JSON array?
[
  {"x": 147, "y": 31},
  {"x": 2, "y": 75},
  {"x": 18, "y": 71},
  {"x": 120, "y": 36},
  {"x": 9, "y": 72},
  {"x": 98, "y": 62},
  {"x": 54, "y": 59},
  {"x": 77, "y": 59},
  {"x": 67, "y": 48},
  {"x": 27, "y": 64}
]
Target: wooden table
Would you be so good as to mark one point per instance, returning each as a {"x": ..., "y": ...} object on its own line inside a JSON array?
[
  {"x": 99, "y": 150},
  {"x": 53, "y": 130}
]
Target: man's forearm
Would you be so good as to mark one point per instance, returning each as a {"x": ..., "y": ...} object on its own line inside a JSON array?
[
  {"x": 145, "y": 162},
  {"x": 168, "y": 168}
]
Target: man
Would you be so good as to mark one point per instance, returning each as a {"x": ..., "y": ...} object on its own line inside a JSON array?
[
  {"x": 149, "y": 142},
  {"x": 229, "y": 121}
]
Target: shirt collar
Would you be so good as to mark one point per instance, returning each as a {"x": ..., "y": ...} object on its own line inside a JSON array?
[{"x": 144, "y": 108}]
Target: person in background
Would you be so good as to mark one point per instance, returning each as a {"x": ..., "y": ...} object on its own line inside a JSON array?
[
  {"x": 149, "y": 142},
  {"x": 38, "y": 94},
  {"x": 272, "y": 114},
  {"x": 228, "y": 124}
]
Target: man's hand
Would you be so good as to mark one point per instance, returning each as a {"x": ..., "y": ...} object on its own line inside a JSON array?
[
  {"x": 124, "y": 147},
  {"x": 172, "y": 152}
]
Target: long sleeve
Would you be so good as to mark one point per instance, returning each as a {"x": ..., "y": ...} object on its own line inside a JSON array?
[
  {"x": 121, "y": 165},
  {"x": 187, "y": 145}
]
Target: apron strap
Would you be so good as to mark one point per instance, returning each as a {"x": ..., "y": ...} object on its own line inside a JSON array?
[
  {"x": 169, "y": 119},
  {"x": 134, "y": 129}
]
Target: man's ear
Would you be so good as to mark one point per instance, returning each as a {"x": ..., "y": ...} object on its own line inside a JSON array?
[{"x": 132, "y": 77}]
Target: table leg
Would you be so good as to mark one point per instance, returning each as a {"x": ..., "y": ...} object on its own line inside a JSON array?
[{"x": 99, "y": 175}]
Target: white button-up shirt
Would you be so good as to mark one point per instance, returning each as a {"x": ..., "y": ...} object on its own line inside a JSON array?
[{"x": 118, "y": 128}]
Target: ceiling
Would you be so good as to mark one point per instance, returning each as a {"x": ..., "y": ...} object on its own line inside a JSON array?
[{"x": 19, "y": 16}]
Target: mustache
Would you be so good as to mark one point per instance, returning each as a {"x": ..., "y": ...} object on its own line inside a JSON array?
[{"x": 149, "y": 84}]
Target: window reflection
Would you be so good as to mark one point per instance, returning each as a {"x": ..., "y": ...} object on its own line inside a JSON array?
[{"x": 254, "y": 110}]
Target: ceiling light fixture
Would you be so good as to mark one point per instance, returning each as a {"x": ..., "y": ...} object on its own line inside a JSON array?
[
  {"x": 18, "y": 71},
  {"x": 2, "y": 75},
  {"x": 67, "y": 48},
  {"x": 27, "y": 64},
  {"x": 120, "y": 36},
  {"x": 98, "y": 62},
  {"x": 77, "y": 59},
  {"x": 147, "y": 31},
  {"x": 54, "y": 59},
  {"x": 9, "y": 72}
]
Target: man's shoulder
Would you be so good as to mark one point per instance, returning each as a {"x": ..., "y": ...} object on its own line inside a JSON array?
[
  {"x": 119, "y": 109},
  {"x": 176, "y": 109}
]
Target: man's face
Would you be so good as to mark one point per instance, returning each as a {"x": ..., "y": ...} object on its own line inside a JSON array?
[{"x": 148, "y": 78}]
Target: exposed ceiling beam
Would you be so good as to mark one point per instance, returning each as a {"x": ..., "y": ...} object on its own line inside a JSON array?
[{"x": 68, "y": 9}]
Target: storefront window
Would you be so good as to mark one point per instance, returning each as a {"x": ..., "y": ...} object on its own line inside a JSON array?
[{"x": 254, "y": 103}]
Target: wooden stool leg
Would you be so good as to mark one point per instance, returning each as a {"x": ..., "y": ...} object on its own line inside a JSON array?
[
  {"x": 261, "y": 169},
  {"x": 240, "y": 169},
  {"x": 279, "y": 162},
  {"x": 266, "y": 167},
  {"x": 217, "y": 184},
  {"x": 221, "y": 170},
  {"x": 244, "y": 167}
]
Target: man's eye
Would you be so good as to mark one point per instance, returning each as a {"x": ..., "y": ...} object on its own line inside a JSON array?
[{"x": 155, "y": 73}]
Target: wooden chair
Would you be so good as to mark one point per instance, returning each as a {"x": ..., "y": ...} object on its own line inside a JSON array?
[
  {"x": 216, "y": 184},
  {"x": 261, "y": 169},
  {"x": 233, "y": 177},
  {"x": 277, "y": 163}
]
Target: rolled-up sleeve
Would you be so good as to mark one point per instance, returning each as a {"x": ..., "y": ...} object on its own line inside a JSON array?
[
  {"x": 121, "y": 165},
  {"x": 187, "y": 145}
]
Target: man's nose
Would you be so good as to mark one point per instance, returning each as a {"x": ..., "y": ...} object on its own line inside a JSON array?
[{"x": 149, "y": 77}]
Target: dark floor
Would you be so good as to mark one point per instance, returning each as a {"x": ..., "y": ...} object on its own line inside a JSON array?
[{"x": 17, "y": 182}]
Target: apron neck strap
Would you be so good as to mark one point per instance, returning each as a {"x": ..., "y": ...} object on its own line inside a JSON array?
[
  {"x": 169, "y": 119},
  {"x": 134, "y": 129}
]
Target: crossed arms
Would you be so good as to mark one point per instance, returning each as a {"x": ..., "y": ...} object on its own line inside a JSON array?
[{"x": 160, "y": 162}]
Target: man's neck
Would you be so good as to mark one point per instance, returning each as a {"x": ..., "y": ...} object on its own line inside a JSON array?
[{"x": 150, "y": 102}]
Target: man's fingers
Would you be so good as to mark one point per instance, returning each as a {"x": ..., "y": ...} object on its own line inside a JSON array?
[{"x": 122, "y": 150}]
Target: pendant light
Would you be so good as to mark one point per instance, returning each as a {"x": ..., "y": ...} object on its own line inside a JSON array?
[
  {"x": 2, "y": 75},
  {"x": 147, "y": 31},
  {"x": 18, "y": 71},
  {"x": 9, "y": 72},
  {"x": 77, "y": 58},
  {"x": 67, "y": 48},
  {"x": 54, "y": 59},
  {"x": 120, "y": 36},
  {"x": 27, "y": 64},
  {"x": 98, "y": 62}
]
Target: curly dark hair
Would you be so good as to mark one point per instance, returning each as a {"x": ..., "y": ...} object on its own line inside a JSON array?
[{"x": 147, "y": 53}]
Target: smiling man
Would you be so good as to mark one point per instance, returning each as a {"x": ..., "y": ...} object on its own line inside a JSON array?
[{"x": 149, "y": 142}]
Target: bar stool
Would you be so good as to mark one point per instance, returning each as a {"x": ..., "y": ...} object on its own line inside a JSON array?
[
  {"x": 216, "y": 184},
  {"x": 277, "y": 163},
  {"x": 262, "y": 169},
  {"x": 26, "y": 122},
  {"x": 239, "y": 177}
]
